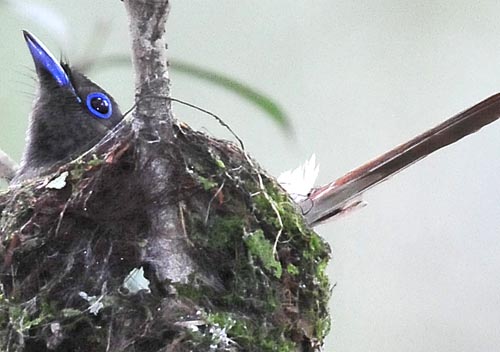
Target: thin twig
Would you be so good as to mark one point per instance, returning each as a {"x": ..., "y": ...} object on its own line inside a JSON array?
[
  {"x": 211, "y": 201},
  {"x": 217, "y": 118}
]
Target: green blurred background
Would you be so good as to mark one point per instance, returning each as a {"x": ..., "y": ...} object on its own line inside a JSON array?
[{"x": 419, "y": 268}]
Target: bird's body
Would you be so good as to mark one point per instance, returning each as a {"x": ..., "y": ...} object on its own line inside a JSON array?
[{"x": 70, "y": 114}]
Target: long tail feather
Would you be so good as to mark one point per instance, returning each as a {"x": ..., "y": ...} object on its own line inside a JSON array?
[{"x": 329, "y": 200}]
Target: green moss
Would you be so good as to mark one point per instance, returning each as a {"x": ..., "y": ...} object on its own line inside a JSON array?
[
  {"x": 310, "y": 270},
  {"x": 221, "y": 233},
  {"x": 256, "y": 282},
  {"x": 322, "y": 327},
  {"x": 262, "y": 249},
  {"x": 23, "y": 319},
  {"x": 95, "y": 161},
  {"x": 249, "y": 336},
  {"x": 191, "y": 291},
  {"x": 206, "y": 183},
  {"x": 78, "y": 170},
  {"x": 220, "y": 164},
  {"x": 291, "y": 220},
  {"x": 292, "y": 269},
  {"x": 80, "y": 166},
  {"x": 70, "y": 312}
]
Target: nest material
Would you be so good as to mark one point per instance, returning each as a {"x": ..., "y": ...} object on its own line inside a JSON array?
[{"x": 71, "y": 239}]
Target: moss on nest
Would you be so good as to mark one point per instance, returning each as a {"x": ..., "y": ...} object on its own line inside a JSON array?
[{"x": 67, "y": 251}]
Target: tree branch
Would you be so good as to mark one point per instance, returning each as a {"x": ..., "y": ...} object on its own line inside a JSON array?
[
  {"x": 147, "y": 21},
  {"x": 153, "y": 126}
]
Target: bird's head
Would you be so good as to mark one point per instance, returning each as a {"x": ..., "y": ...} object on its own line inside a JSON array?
[{"x": 70, "y": 113}]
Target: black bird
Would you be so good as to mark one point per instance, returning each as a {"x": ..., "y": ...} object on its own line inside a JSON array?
[{"x": 70, "y": 114}]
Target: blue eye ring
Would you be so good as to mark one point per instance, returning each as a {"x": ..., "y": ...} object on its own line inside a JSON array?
[{"x": 99, "y": 105}]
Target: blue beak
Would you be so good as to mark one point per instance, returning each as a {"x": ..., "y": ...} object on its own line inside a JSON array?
[{"x": 44, "y": 60}]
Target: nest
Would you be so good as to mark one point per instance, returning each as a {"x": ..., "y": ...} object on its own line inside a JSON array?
[{"x": 83, "y": 265}]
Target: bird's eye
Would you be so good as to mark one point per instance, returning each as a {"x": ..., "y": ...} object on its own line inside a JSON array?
[{"x": 99, "y": 105}]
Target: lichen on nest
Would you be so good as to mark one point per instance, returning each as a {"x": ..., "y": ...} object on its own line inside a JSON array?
[{"x": 66, "y": 251}]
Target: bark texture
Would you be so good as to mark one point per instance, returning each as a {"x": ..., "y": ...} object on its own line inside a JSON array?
[{"x": 160, "y": 239}]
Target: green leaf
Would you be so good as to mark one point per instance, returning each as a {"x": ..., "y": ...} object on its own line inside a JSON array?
[
  {"x": 255, "y": 97},
  {"x": 252, "y": 95}
]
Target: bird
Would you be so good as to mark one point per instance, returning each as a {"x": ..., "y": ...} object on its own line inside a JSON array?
[{"x": 70, "y": 114}]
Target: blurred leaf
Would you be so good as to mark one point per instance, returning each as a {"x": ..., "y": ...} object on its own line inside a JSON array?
[
  {"x": 252, "y": 95},
  {"x": 255, "y": 97}
]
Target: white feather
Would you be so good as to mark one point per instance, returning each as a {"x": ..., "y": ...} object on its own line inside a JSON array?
[{"x": 300, "y": 181}]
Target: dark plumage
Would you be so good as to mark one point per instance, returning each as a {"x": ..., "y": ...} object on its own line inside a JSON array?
[{"x": 70, "y": 114}]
